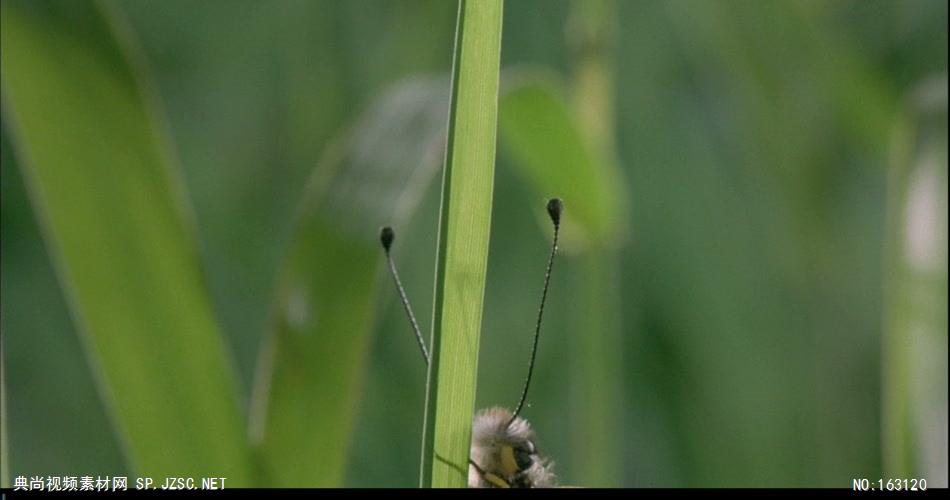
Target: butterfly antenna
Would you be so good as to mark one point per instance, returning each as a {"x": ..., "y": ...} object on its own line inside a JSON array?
[
  {"x": 555, "y": 207},
  {"x": 386, "y": 237}
]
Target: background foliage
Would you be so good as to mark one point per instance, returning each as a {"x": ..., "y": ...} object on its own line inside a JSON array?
[{"x": 753, "y": 141}]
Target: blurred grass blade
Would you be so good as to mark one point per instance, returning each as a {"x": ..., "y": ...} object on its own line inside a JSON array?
[
  {"x": 462, "y": 254},
  {"x": 308, "y": 379},
  {"x": 558, "y": 154},
  {"x": 4, "y": 446},
  {"x": 105, "y": 190},
  {"x": 914, "y": 347},
  {"x": 596, "y": 390},
  {"x": 541, "y": 135}
]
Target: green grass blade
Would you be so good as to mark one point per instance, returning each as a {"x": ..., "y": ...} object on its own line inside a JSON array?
[
  {"x": 463, "y": 244},
  {"x": 309, "y": 378},
  {"x": 105, "y": 189}
]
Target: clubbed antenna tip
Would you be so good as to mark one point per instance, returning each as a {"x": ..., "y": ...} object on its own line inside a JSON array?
[
  {"x": 555, "y": 207},
  {"x": 386, "y": 237}
]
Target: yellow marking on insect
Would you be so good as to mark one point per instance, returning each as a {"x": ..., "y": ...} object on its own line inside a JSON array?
[
  {"x": 508, "y": 463},
  {"x": 497, "y": 481}
]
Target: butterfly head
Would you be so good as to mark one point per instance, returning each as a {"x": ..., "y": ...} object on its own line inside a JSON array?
[{"x": 504, "y": 453}]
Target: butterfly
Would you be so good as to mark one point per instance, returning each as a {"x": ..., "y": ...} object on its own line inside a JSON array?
[{"x": 503, "y": 453}]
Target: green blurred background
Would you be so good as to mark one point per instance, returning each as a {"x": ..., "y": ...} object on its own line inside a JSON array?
[{"x": 754, "y": 142}]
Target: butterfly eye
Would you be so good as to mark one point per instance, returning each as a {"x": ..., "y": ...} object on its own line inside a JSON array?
[{"x": 523, "y": 459}]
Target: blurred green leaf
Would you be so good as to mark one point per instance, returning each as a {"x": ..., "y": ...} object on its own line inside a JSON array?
[
  {"x": 541, "y": 135},
  {"x": 105, "y": 189},
  {"x": 464, "y": 227},
  {"x": 309, "y": 375},
  {"x": 550, "y": 148}
]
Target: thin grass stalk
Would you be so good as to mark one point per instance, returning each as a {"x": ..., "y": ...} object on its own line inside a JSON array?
[
  {"x": 597, "y": 389},
  {"x": 462, "y": 255}
]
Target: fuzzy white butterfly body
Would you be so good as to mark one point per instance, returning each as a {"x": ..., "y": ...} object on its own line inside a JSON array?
[{"x": 506, "y": 456}]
